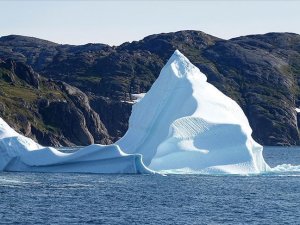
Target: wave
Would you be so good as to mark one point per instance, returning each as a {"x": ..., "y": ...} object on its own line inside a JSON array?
[
  {"x": 285, "y": 168},
  {"x": 279, "y": 170}
]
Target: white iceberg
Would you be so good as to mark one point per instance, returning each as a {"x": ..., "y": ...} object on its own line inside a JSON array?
[
  {"x": 182, "y": 125},
  {"x": 19, "y": 153}
]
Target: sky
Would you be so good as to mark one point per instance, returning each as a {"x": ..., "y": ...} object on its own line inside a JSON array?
[{"x": 114, "y": 22}]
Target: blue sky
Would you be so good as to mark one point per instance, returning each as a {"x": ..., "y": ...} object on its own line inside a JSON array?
[{"x": 114, "y": 22}]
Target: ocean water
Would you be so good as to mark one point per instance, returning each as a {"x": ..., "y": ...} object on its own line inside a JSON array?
[{"x": 39, "y": 198}]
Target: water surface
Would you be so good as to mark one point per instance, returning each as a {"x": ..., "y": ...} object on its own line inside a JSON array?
[{"x": 39, "y": 198}]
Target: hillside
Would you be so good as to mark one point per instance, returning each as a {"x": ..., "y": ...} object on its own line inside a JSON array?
[
  {"x": 52, "y": 112},
  {"x": 260, "y": 72}
]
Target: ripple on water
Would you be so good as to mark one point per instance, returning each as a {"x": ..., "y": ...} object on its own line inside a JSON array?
[{"x": 39, "y": 198}]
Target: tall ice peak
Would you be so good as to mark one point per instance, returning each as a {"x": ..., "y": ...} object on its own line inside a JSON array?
[{"x": 181, "y": 67}]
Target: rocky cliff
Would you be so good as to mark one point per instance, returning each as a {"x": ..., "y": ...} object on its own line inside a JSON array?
[
  {"x": 52, "y": 112},
  {"x": 65, "y": 94}
]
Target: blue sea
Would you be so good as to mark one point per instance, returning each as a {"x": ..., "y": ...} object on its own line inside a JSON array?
[{"x": 56, "y": 198}]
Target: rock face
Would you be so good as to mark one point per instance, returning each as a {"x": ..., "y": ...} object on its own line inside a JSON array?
[
  {"x": 260, "y": 72},
  {"x": 53, "y": 113}
]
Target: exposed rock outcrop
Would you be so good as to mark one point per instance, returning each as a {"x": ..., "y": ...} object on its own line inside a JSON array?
[
  {"x": 53, "y": 113},
  {"x": 260, "y": 72}
]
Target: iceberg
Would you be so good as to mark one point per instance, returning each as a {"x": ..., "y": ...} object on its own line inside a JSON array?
[
  {"x": 19, "y": 153},
  {"x": 182, "y": 124}
]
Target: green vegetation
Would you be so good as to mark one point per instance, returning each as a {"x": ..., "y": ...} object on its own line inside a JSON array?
[{"x": 21, "y": 100}]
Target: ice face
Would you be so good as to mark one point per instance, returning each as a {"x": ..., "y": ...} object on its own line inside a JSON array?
[
  {"x": 19, "y": 153},
  {"x": 182, "y": 124},
  {"x": 185, "y": 122}
]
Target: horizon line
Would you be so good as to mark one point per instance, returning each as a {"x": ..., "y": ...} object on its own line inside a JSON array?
[{"x": 44, "y": 39}]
